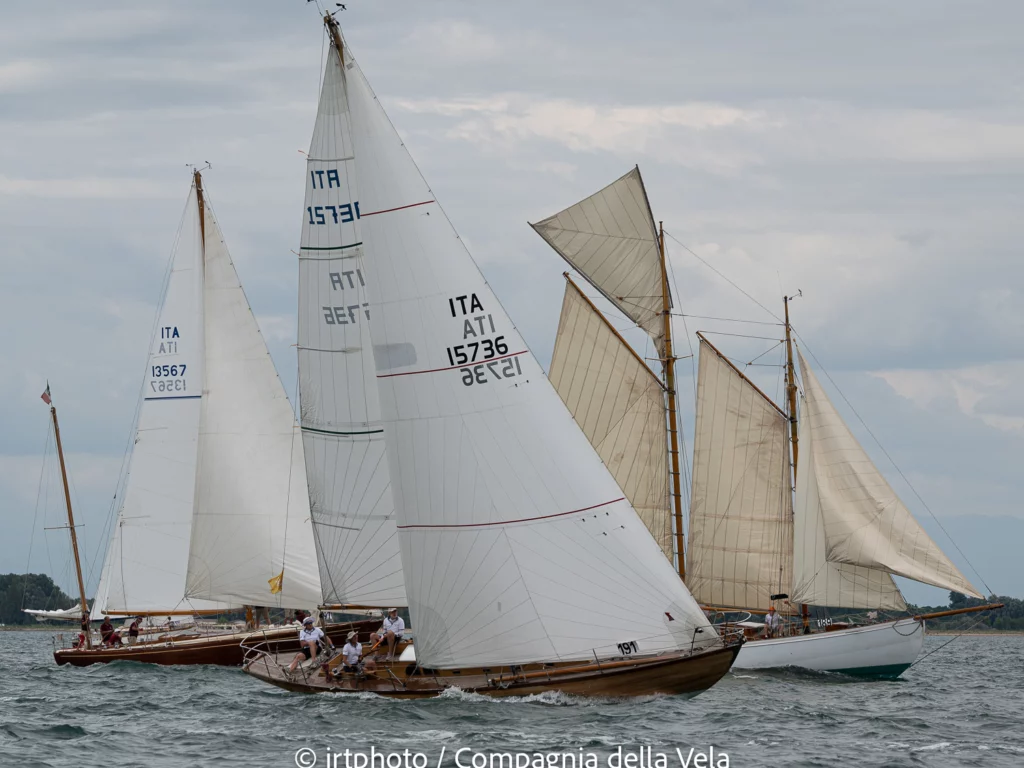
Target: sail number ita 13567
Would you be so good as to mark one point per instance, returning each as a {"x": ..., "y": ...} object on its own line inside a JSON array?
[{"x": 483, "y": 352}]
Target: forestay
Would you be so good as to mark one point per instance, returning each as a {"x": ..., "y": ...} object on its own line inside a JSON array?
[
  {"x": 251, "y": 517},
  {"x": 346, "y": 467},
  {"x": 741, "y": 518},
  {"x": 619, "y": 404},
  {"x": 864, "y": 523},
  {"x": 610, "y": 238},
  {"x": 815, "y": 580},
  {"x": 147, "y": 559},
  {"x": 517, "y": 544}
]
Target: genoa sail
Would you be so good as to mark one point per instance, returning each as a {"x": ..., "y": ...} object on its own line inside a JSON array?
[
  {"x": 862, "y": 521},
  {"x": 741, "y": 519},
  {"x": 517, "y": 544},
  {"x": 346, "y": 467},
  {"x": 610, "y": 238},
  {"x": 619, "y": 403},
  {"x": 251, "y": 542},
  {"x": 147, "y": 559}
]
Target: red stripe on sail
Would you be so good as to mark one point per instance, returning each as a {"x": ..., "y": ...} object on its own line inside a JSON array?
[{"x": 523, "y": 520}]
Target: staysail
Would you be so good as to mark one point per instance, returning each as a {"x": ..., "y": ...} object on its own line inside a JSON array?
[
  {"x": 147, "y": 559},
  {"x": 610, "y": 238},
  {"x": 517, "y": 544},
  {"x": 863, "y": 523},
  {"x": 252, "y": 541},
  {"x": 619, "y": 403},
  {"x": 741, "y": 519},
  {"x": 346, "y": 467}
]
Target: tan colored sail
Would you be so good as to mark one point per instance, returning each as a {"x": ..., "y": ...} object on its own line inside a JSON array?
[
  {"x": 741, "y": 522},
  {"x": 863, "y": 521},
  {"x": 620, "y": 405},
  {"x": 611, "y": 239}
]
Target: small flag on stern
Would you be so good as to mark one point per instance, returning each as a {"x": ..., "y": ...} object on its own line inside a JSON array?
[
  {"x": 276, "y": 583},
  {"x": 46, "y": 394}
]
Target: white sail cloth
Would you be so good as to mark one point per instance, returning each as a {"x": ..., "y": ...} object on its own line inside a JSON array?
[
  {"x": 517, "y": 544},
  {"x": 252, "y": 541},
  {"x": 619, "y": 404},
  {"x": 740, "y": 549},
  {"x": 863, "y": 520},
  {"x": 346, "y": 466},
  {"x": 148, "y": 556},
  {"x": 610, "y": 238}
]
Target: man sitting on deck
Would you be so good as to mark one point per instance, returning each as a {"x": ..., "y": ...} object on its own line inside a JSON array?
[
  {"x": 391, "y": 630},
  {"x": 107, "y": 631},
  {"x": 352, "y": 653},
  {"x": 310, "y": 640},
  {"x": 771, "y": 622}
]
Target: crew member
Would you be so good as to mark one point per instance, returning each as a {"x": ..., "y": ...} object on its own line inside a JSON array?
[
  {"x": 771, "y": 622},
  {"x": 390, "y": 631},
  {"x": 310, "y": 640},
  {"x": 352, "y": 653}
]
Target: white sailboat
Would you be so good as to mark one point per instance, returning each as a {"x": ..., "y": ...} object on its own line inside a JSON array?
[
  {"x": 526, "y": 569},
  {"x": 214, "y": 514},
  {"x": 748, "y": 547}
]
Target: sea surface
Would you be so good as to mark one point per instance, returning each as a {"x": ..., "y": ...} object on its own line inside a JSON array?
[{"x": 962, "y": 706}]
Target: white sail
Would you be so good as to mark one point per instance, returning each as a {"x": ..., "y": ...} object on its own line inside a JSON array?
[
  {"x": 148, "y": 556},
  {"x": 741, "y": 519},
  {"x": 346, "y": 467},
  {"x": 619, "y": 404},
  {"x": 517, "y": 544},
  {"x": 816, "y": 581},
  {"x": 610, "y": 238},
  {"x": 864, "y": 522},
  {"x": 252, "y": 541}
]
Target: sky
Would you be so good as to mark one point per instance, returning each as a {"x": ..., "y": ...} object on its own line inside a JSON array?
[{"x": 868, "y": 155}]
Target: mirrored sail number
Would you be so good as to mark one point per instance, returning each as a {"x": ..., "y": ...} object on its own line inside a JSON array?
[
  {"x": 495, "y": 370},
  {"x": 339, "y": 214},
  {"x": 168, "y": 378}
]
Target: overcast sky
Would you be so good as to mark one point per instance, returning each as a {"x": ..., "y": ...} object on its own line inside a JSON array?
[{"x": 868, "y": 154}]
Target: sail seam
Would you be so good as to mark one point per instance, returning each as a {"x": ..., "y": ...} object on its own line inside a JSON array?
[
  {"x": 523, "y": 520},
  {"x": 399, "y": 208},
  {"x": 330, "y": 247},
  {"x": 329, "y": 432}
]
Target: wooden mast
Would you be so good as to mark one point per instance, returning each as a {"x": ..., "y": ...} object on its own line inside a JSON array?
[
  {"x": 198, "y": 179},
  {"x": 332, "y": 27},
  {"x": 670, "y": 386},
  {"x": 71, "y": 520},
  {"x": 793, "y": 438}
]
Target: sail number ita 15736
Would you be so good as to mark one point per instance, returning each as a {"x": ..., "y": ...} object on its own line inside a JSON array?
[{"x": 485, "y": 355}]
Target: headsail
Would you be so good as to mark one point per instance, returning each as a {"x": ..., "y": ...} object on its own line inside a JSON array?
[
  {"x": 619, "y": 404},
  {"x": 741, "y": 519},
  {"x": 517, "y": 544},
  {"x": 251, "y": 517},
  {"x": 864, "y": 523},
  {"x": 148, "y": 556},
  {"x": 610, "y": 239},
  {"x": 346, "y": 468}
]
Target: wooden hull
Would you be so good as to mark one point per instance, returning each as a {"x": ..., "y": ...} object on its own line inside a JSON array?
[
  {"x": 882, "y": 650},
  {"x": 221, "y": 650},
  {"x": 665, "y": 674}
]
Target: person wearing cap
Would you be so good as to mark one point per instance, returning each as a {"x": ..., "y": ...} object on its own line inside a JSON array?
[
  {"x": 310, "y": 640},
  {"x": 391, "y": 630},
  {"x": 351, "y": 654},
  {"x": 771, "y": 622}
]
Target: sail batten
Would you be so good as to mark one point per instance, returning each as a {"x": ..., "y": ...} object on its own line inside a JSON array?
[
  {"x": 619, "y": 403},
  {"x": 857, "y": 518},
  {"x": 741, "y": 522},
  {"x": 611, "y": 239}
]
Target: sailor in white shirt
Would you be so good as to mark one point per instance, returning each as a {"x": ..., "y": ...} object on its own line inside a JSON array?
[
  {"x": 310, "y": 640},
  {"x": 352, "y": 653},
  {"x": 771, "y": 622},
  {"x": 391, "y": 631}
]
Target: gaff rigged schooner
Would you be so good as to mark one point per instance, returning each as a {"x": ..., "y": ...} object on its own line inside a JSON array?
[
  {"x": 749, "y": 546},
  {"x": 525, "y": 567}
]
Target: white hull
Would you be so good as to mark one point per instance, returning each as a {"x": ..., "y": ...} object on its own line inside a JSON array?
[{"x": 882, "y": 650}]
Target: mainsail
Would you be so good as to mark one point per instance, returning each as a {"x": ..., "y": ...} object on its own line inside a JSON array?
[
  {"x": 862, "y": 520},
  {"x": 517, "y": 544},
  {"x": 610, "y": 239},
  {"x": 346, "y": 467},
  {"x": 147, "y": 559},
  {"x": 741, "y": 519},
  {"x": 252, "y": 542},
  {"x": 619, "y": 404}
]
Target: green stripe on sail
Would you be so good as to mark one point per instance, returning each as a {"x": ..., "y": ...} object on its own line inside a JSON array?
[
  {"x": 344, "y": 434},
  {"x": 329, "y": 248}
]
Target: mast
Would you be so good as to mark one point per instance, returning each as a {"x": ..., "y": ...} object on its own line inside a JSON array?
[
  {"x": 794, "y": 440},
  {"x": 71, "y": 519},
  {"x": 332, "y": 27},
  {"x": 670, "y": 386},
  {"x": 198, "y": 179}
]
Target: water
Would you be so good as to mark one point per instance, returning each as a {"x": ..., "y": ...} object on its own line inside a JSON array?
[{"x": 963, "y": 706}]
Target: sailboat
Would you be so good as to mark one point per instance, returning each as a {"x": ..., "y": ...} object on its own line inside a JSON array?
[
  {"x": 526, "y": 570},
  {"x": 749, "y": 546},
  {"x": 214, "y": 514}
]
